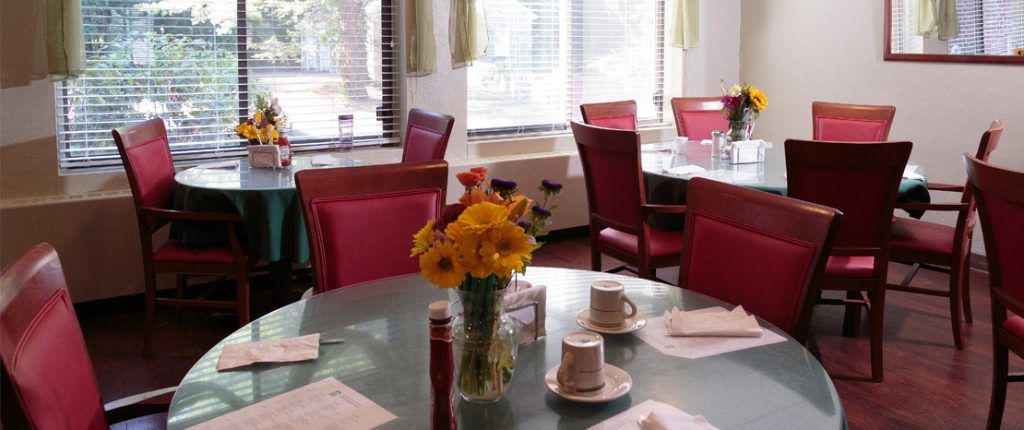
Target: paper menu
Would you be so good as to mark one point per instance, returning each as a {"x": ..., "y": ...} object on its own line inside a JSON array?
[
  {"x": 325, "y": 404},
  {"x": 656, "y": 334},
  {"x": 628, "y": 420}
]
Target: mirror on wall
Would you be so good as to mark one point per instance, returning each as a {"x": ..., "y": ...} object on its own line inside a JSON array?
[{"x": 962, "y": 31}]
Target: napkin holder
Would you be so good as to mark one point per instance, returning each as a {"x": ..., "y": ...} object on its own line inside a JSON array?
[
  {"x": 747, "y": 151},
  {"x": 526, "y": 303},
  {"x": 264, "y": 156}
]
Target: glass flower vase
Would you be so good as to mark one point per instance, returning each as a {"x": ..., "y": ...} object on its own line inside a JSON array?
[
  {"x": 484, "y": 341},
  {"x": 741, "y": 127}
]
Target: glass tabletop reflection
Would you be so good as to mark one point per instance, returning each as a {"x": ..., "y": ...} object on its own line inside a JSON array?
[
  {"x": 385, "y": 357},
  {"x": 237, "y": 175}
]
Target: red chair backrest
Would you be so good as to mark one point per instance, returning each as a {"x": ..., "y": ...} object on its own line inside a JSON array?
[
  {"x": 619, "y": 115},
  {"x": 426, "y": 137},
  {"x": 1000, "y": 196},
  {"x": 860, "y": 179},
  {"x": 361, "y": 220},
  {"x": 45, "y": 361},
  {"x": 965, "y": 220},
  {"x": 146, "y": 156},
  {"x": 611, "y": 169},
  {"x": 755, "y": 249},
  {"x": 697, "y": 117},
  {"x": 842, "y": 122}
]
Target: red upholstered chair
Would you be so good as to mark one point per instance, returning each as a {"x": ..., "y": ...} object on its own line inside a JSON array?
[
  {"x": 620, "y": 115},
  {"x": 1000, "y": 196},
  {"x": 426, "y": 137},
  {"x": 756, "y": 249},
  {"x": 861, "y": 180},
  {"x": 842, "y": 122},
  {"x": 146, "y": 156},
  {"x": 940, "y": 247},
  {"x": 697, "y": 117},
  {"x": 361, "y": 220},
  {"x": 48, "y": 380},
  {"x": 618, "y": 203}
]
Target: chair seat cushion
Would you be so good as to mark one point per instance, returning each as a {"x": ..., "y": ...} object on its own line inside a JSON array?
[
  {"x": 662, "y": 243},
  {"x": 850, "y": 267},
  {"x": 1015, "y": 326},
  {"x": 916, "y": 236},
  {"x": 173, "y": 251}
]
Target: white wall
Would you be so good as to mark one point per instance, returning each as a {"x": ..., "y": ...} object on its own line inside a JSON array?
[
  {"x": 799, "y": 51},
  {"x": 89, "y": 217}
]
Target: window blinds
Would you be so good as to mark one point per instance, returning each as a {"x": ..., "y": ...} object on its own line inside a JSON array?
[
  {"x": 199, "y": 65},
  {"x": 546, "y": 57}
]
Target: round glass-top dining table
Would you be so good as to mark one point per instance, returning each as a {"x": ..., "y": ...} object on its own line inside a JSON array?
[
  {"x": 665, "y": 184},
  {"x": 384, "y": 357}
]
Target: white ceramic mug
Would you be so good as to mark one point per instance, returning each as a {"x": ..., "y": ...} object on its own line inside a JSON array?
[
  {"x": 582, "y": 368},
  {"x": 608, "y": 304}
]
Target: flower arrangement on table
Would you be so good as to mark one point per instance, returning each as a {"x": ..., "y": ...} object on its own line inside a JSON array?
[
  {"x": 1018, "y": 51},
  {"x": 262, "y": 128},
  {"x": 741, "y": 105},
  {"x": 476, "y": 247}
]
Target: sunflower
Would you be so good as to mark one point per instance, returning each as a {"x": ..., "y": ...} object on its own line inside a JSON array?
[
  {"x": 481, "y": 217},
  {"x": 758, "y": 98},
  {"x": 441, "y": 265},
  {"x": 506, "y": 249},
  {"x": 422, "y": 239}
]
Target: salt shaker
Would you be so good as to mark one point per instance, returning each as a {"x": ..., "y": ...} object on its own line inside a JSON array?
[{"x": 442, "y": 367}]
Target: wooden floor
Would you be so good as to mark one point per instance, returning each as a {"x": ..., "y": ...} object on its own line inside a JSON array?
[{"x": 929, "y": 384}]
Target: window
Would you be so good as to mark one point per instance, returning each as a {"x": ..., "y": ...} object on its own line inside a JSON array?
[
  {"x": 987, "y": 27},
  {"x": 546, "y": 57},
  {"x": 199, "y": 64}
]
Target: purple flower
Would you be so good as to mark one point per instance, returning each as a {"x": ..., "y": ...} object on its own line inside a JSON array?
[
  {"x": 540, "y": 212},
  {"x": 549, "y": 186},
  {"x": 525, "y": 225},
  {"x": 503, "y": 186}
]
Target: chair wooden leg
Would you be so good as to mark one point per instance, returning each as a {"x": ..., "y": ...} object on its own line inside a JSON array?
[
  {"x": 851, "y": 319},
  {"x": 242, "y": 295},
  {"x": 999, "y": 371},
  {"x": 147, "y": 342},
  {"x": 965, "y": 288},
  {"x": 877, "y": 315},
  {"x": 179, "y": 292},
  {"x": 955, "y": 299},
  {"x": 644, "y": 270},
  {"x": 595, "y": 258}
]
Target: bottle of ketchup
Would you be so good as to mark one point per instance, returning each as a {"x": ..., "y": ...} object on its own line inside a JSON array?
[
  {"x": 285, "y": 148},
  {"x": 442, "y": 367}
]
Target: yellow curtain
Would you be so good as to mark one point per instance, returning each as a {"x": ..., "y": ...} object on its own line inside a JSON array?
[
  {"x": 65, "y": 46},
  {"x": 467, "y": 32},
  {"x": 949, "y": 22},
  {"x": 421, "y": 55},
  {"x": 687, "y": 32},
  {"x": 926, "y": 25}
]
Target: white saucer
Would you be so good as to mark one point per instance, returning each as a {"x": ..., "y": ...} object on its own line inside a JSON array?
[
  {"x": 629, "y": 325},
  {"x": 616, "y": 384}
]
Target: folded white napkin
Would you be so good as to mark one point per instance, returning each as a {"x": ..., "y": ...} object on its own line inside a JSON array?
[
  {"x": 655, "y": 421},
  {"x": 521, "y": 295},
  {"x": 323, "y": 160},
  {"x": 910, "y": 172},
  {"x": 688, "y": 169},
  {"x": 269, "y": 351},
  {"x": 714, "y": 322},
  {"x": 231, "y": 164}
]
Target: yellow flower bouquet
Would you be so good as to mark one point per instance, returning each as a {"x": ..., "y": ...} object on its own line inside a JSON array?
[
  {"x": 262, "y": 128},
  {"x": 476, "y": 248},
  {"x": 741, "y": 105}
]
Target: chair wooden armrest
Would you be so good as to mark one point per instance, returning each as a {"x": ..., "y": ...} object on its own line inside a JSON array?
[
  {"x": 190, "y": 215},
  {"x": 935, "y": 186},
  {"x": 139, "y": 405},
  {"x": 855, "y": 251},
  {"x": 921, "y": 206},
  {"x": 663, "y": 209}
]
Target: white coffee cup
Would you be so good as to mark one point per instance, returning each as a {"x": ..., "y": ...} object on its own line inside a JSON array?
[
  {"x": 607, "y": 304},
  {"x": 582, "y": 368},
  {"x": 679, "y": 144}
]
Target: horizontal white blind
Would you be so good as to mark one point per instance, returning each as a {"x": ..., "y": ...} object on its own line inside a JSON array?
[
  {"x": 546, "y": 57},
  {"x": 987, "y": 27},
  {"x": 199, "y": 64}
]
